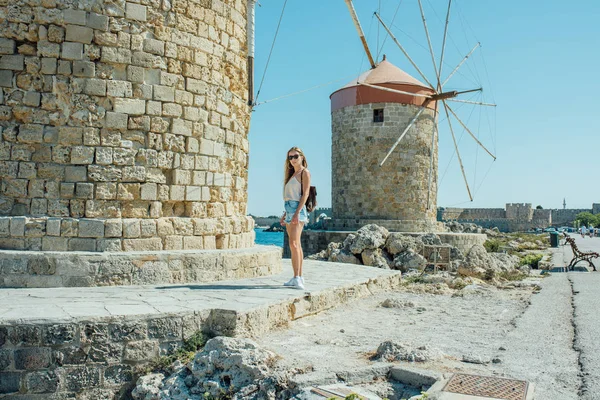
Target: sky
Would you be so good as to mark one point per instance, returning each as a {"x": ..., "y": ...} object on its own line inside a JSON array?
[{"x": 538, "y": 61}]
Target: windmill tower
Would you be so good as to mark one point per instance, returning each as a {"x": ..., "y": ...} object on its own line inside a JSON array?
[
  {"x": 385, "y": 142},
  {"x": 366, "y": 122}
]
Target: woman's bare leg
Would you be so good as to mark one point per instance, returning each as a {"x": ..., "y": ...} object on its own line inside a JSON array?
[{"x": 294, "y": 231}]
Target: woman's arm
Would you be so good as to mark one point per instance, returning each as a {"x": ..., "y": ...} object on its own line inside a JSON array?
[{"x": 305, "y": 191}]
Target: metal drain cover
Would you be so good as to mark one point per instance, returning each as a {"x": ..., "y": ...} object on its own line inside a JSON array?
[{"x": 487, "y": 386}]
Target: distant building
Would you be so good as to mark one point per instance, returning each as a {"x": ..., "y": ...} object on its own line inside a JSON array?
[{"x": 514, "y": 217}]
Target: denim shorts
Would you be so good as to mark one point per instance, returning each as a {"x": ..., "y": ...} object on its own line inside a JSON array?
[{"x": 290, "y": 208}]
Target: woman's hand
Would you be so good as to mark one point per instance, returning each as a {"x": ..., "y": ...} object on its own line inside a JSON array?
[
  {"x": 282, "y": 220},
  {"x": 295, "y": 219}
]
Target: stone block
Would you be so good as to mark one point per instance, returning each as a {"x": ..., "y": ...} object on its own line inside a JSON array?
[
  {"x": 17, "y": 226},
  {"x": 76, "y": 17},
  {"x": 149, "y": 191},
  {"x": 131, "y": 228},
  {"x": 97, "y": 21},
  {"x": 128, "y": 331},
  {"x": 10, "y": 382},
  {"x": 104, "y": 155},
  {"x": 7, "y": 46},
  {"x": 106, "y": 191},
  {"x": 64, "y": 67},
  {"x": 5, "y": 359},
  {"x": 109, "y": 245},
  {"x": 154, "y": 46},
  {"x": 116, "y": 55},
  {"x": 95, "y": 87},
  {"x": 148, "y": 228},
  {"x": 53, "y": 243},
  {"x": 12, "y": 62},
  {"x": 32, "y": 99},
  {"x": 182, "y": 127},
  {"x": 77, "y": 244},
  {"x": 79, "y": 34},
  {"x": 85, "y": 69},
  {"x": 177, "y": 193},
  {"x": 48, "y": 66},
  {"x": 193, "y": 193},
  {"x": 118, "y": 88},
  {"x": 72, "y": 51},
  {"x": 135, "y": 74},
  {"x": 174, "y": 243},
  {"x": 82, "y": 155},
  {"x": 193, "y": 242},
  {"x": 113, "y": 228},
  {"x": 135, "y": 11},
  {"x": 79, "y": 378},
  {"x": 91, "y": 228},
  {"x": 147, "y": 244},
  {"x": 164, "y": 93},
  {"x": 42, "y": 382},
  {"x": 118, "y": 374},
  {"x": 130, "y": 106},
  {"x": 6, "y": 78},
  {"x": 5, "y": 226},
  {"x": 75, "y": 174},
  {"x": 31, "y": 133},
  {"x": 25, "y": 335},
  {"x": 116, "y": 120},
  {"x": 84, "y": 190},
  {"x": 143, "y": 350},
  {"x": 33, "y": 358}
]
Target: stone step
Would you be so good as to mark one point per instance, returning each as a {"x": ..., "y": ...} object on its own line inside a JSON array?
[
  {"x": 44, "y": 269},
  {"x": 97, "y": 337}
]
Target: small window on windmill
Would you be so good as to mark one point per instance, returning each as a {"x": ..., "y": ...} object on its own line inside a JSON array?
[{"x": 378, "y": 115}]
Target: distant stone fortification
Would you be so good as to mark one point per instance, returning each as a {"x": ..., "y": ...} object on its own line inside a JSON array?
[{"x": 515, "y": 217}]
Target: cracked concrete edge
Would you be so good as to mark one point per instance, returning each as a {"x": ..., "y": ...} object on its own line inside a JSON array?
[{"x": 262, "y": 319}]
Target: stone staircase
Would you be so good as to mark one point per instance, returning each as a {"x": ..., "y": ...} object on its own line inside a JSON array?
[{"x": 92, "y": 342}]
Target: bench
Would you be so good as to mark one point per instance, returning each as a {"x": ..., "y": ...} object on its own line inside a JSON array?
[{"x": 579, "y": 255}]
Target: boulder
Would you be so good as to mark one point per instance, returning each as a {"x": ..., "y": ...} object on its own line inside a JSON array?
[
  {"x": 397, "y": 243},
  {"x": 505, "y": 262},
  {"x": 368, "y": 237},
  {"x": 344, "y": 256},
  {"x": 477, "y": 262},
  {"x": 393, "y": 351},
  {"x": 235, "y": 367},
  {"x": 430, "y": 239},
  {"x": 376, "y": 258},
  {"x": 409, "y": 260}
]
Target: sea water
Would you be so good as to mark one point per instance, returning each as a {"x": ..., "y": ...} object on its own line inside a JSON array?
[{"x": 268, "y": 238}]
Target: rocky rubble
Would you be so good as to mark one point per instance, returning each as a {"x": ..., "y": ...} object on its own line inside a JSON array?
[
  {"x": 374, "y": 246},
  {"x": 232, "y": 368},
  {"x": 457, "y": 227},
  {"x": 393, "y": 351}
]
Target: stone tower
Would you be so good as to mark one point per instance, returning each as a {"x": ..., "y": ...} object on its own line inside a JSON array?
[
  {"x": 365, "y": 124},
  {"x": 123, "y": 127}
]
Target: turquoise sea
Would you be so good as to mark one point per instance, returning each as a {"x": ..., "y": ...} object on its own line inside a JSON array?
[{"x": 268, "y": 238}]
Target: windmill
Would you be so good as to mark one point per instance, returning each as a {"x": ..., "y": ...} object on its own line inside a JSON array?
[{"x": 436, "y": 94}]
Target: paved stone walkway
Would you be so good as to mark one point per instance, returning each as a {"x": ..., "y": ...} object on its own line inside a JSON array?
[{"x": 54, "y": 305}]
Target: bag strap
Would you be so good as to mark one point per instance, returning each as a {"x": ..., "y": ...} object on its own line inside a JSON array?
[{"x": 301, "y": 184}]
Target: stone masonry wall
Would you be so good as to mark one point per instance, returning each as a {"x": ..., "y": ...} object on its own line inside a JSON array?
[
  {"x": 123, "y": 125},
  {"x": 361, "y": 189}
]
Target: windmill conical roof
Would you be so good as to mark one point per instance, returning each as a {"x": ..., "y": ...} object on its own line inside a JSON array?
[{"x": 386, "y": 72}]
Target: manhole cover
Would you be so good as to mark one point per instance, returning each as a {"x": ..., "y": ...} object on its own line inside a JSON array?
[{"x": 487, "y": 386}]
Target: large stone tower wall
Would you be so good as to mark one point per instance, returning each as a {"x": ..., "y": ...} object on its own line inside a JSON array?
[
  {"x": 395, "y": 195},
  {"x": 123, "y": 125}
]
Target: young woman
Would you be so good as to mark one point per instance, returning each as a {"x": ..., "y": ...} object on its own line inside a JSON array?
[{"x": 295, "y": 192}]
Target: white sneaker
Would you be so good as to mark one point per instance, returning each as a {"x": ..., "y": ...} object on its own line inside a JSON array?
[
  {"x": 299, "y": 283},
  {"x": 291, "y": 282}
]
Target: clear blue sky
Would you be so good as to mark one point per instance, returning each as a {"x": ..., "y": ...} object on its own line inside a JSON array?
[{"x": 541, "y": 58}]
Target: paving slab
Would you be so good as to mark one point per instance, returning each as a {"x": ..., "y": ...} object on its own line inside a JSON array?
[{"x": 327, "y": 284}]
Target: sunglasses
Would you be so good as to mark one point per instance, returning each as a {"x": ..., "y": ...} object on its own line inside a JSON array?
[{"x": 294, "y": 157}]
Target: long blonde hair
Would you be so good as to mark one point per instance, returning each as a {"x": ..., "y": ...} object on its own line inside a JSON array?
[{"x": 288, "y": 168}]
